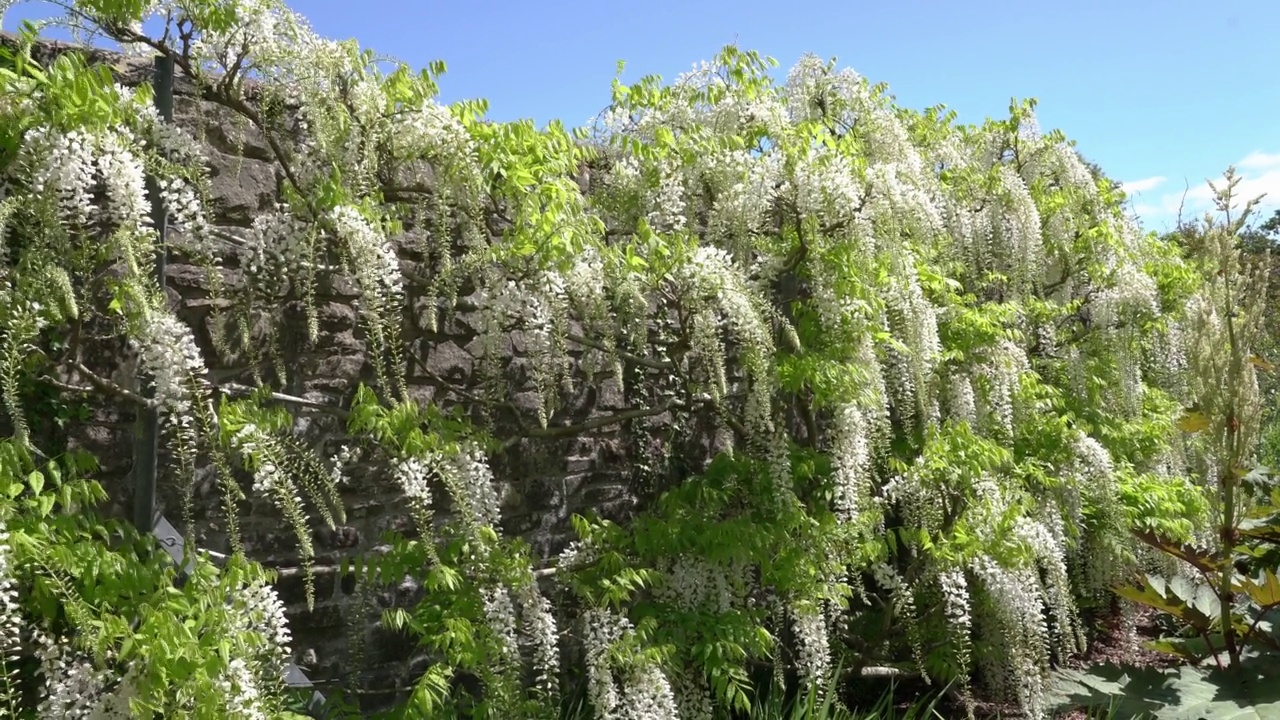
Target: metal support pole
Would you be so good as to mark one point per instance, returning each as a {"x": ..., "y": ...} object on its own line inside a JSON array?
[{"x": 147, "y": 434}]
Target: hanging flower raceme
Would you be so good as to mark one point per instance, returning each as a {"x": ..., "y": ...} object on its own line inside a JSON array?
[
  {"x": 370, "y": 257},
  {"x": 412, "y": 474},
  {"x": 813, "y": 650},
  {"x": 745, "y": 187},
  {"x": 713, "y": 282},
  {"x": 1001, "y": 374},
  {"x": 1014, "y": 611},
  {"x": 961, "y": 401},
  {"x": 501, "y": 616},
  {"x": 957, "y": 610},
  {"x": 1049, "y": 551},
  {"x": 693, "y": 697},
  {"x": 816, "y": 91},
  {"x": 647, "y": 695},
  {"x": 183, "y": 205},
  {"x": 603, "y": 629},
  {"x": 73, "y": 687},
  {"x": 171, "y": 357},
  {"x": 825, "y": 187},
  {"x": 914, "y": 322},
  {"x": 543, "y": 306},
  {"x": 1131, "y": 294},
  {"x": 259, "y": 610},
  {"x": 1017, "y": 235},
  {"x": 61, "y": 166},
  {"x": 432, "y": 132},
  {"x": 276, "y": 477},
  {"x": 11, "y": 622},
  {"x": 852, "y": 454},
  {"x": 898, "y": 196},
  {"x": 538, "y": 620},
  {"x": 470, "y": 481},
  {"x": 122, "y": 173},
  {"x": 240, "y": 692},
  {"x": 641, "y": 691}
]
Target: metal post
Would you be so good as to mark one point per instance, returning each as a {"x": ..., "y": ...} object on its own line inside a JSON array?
[{"x": 147, "y": 434}]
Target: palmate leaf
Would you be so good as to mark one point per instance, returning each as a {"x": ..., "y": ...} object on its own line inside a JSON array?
[
  {"x": 1183, "y": 693},
  {"x": 1195, "y": 604},
  {"x": 1200, "y": 598},
  {"x": 1201, "y": 560},
  {"x": 1152, "y": 594},
  {"x": 1193, "y": 648},
  {"x": 1193, "y": 421},
  {"x": 1263, "y": 590},
  {"x": 1265, "y": 529}
]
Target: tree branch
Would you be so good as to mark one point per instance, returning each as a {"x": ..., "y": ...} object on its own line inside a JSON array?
[
  {"x": 104, "y": 385},
  {"x": 245, "y": 390},
  {"x": 219, "y": 93},
  {"x": 629, "y": 357}
]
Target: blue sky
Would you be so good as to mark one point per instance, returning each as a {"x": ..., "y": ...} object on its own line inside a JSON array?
[{"x": 1160, "y": 93}]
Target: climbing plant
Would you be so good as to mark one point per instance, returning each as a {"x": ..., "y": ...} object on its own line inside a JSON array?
[
  {"x": 91, "y": 609},
  {"x": 946, "y": 367}
]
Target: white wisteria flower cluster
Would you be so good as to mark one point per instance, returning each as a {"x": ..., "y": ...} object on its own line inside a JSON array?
[
  {"x": 175, "y": 364},
  {"x": 11, "y": 622},
  {"x": 637, "y": 691}
]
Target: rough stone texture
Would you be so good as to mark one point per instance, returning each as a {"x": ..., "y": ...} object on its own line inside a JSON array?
[{"x": 544, "y": 481}]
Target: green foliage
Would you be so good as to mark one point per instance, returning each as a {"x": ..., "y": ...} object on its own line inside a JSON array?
[
  {"x": 712, "y": 526},
  {"x": 938, "y": 359},
  {"x": 284, "y": 467},
  {"x": 1172, "y": 508},
  {"x": 1182, "y": 693},
  {"x": 465, "y": 568},
  {"x": 1197, "y": 602},
  {"x": 91, "y": 593}
]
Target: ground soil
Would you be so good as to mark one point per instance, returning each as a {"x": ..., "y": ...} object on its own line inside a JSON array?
[{"x": 1112, "y": 647}]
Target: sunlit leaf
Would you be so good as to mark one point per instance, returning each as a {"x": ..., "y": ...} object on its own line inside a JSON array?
[
  {"x": 1262, "y": 364},
  {"x": 1193, "y": 421}
]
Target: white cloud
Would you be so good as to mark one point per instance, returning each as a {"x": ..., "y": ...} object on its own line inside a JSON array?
[
  {"x": 1143, "y": 185},
  {"x": 1259, "y": 174},
  {"x": 1260, "y": 159}
]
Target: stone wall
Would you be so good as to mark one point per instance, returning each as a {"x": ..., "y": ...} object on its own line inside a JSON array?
[{"x": 544, "y": 480}]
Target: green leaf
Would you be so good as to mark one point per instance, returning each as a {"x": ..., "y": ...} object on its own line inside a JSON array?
[
  {"x": 1206, "y": 562},
  {"x": 1180, "y": 693},
  {"x": 1265, "y": 591},
  {"x": 1195, "y": 648},
  {"x": 1205, "y": 601},
  {"x": 1193, "y": 421}
]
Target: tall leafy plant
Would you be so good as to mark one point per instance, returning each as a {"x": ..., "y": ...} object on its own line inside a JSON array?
[{"x": 1230, "y": 584}]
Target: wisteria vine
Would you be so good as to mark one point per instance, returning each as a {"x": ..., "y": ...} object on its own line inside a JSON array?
[{"x": 925, "y": 341}]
